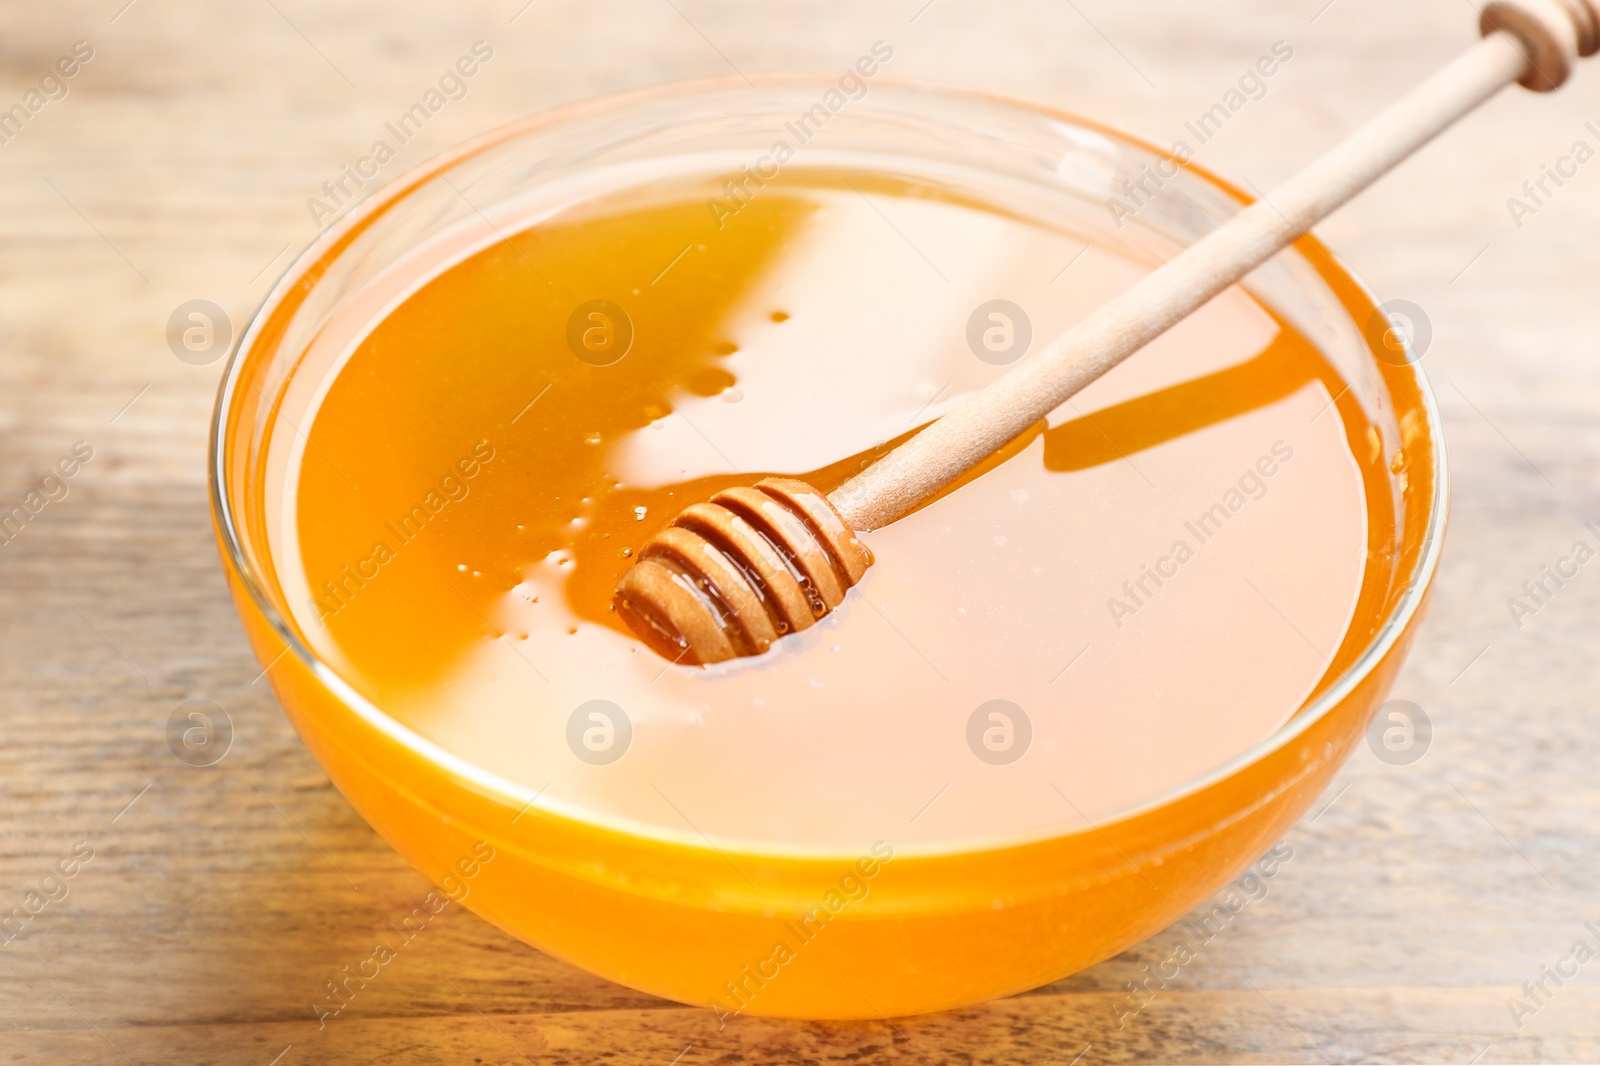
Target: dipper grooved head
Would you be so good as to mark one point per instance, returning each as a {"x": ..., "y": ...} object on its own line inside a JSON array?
[{"x": 729, "y": 577}]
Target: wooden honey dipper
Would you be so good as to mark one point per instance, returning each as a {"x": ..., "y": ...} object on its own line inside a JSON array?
[{"x": 729, "y": 577}]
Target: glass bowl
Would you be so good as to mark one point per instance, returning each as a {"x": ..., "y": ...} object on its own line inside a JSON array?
[{"x": 700, "y": 919}]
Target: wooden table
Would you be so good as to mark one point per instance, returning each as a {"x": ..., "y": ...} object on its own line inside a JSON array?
[{"x": 219, "y": 900}]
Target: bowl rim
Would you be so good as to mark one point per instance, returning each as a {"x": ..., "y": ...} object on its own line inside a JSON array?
[{"x": 475, "y": 778}]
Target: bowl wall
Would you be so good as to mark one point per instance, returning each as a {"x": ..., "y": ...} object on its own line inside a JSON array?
[{"x": 702, "y": 921}]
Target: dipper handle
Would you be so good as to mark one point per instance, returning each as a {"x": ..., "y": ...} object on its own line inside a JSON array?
[
  {"x": 1532, "y": 41},
  {"x": 730, "y": 577}
]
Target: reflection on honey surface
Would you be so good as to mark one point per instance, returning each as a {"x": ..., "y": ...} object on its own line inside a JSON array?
[{"x": 1156, "y": 580}]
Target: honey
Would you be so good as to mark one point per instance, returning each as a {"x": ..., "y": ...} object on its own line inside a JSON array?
[{"x": 1144, "y": 589}]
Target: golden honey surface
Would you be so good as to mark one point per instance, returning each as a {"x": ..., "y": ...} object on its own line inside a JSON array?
[{"x": 1147, "y": 587}]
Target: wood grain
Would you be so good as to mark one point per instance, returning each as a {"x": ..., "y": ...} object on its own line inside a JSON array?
[{"x": 216, "y": 905}]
